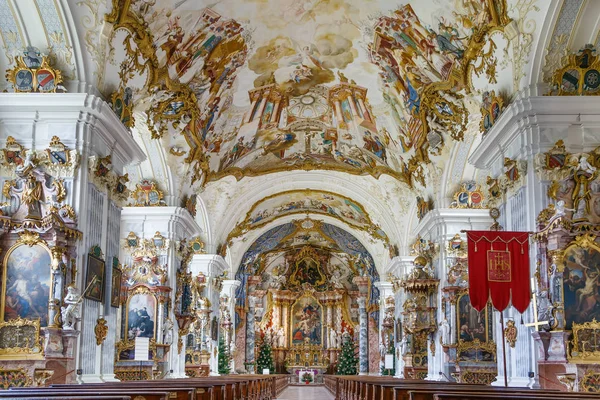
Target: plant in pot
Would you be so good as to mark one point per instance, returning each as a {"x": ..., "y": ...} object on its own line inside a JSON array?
[{"x": 307, "y": 378}]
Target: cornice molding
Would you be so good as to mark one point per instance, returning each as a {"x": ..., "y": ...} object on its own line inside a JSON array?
[{"x": 520, "y": 133}]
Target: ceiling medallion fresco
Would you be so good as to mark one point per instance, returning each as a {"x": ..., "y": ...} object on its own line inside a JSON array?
[
  {"x": 303, "y": 72},
  {"x": 308, "y": 201}
]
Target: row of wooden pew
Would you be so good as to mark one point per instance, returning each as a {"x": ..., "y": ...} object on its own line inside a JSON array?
[
  {"x": 386, "y": 388},
  {"x": 238, "y": 387}
]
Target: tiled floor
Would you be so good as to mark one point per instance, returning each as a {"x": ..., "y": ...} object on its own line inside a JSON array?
[{"x": 305, "y": 392}]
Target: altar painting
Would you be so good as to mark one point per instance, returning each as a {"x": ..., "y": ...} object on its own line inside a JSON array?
[
  {"x": 473, "y": 326},
  {"x": 306, "y": 321},
  {"x": 581, "y": 290},
  {"x": 26, "y": 289},
  {"x": 141, "y": 315}
]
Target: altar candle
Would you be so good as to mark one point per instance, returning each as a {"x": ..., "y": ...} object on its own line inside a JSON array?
[{"x": 533, "y": 284}]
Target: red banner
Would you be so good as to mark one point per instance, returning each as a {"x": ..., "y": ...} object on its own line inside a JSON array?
[{"x": 499, "y": 268}]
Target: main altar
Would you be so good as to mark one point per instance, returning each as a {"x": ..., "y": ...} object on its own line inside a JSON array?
[
  {"x": 303, "y": 300},
  {"x": 309, "y": 359}
]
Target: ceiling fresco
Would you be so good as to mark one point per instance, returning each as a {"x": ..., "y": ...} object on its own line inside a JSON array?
[
  {"x": 300, "y": 78},
  {"x": 308, "y": 201}
]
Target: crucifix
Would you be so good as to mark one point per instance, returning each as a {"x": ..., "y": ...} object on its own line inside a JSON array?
[
  {"x": 308, "y": 135},
  {"x": 536, "y": 324}
]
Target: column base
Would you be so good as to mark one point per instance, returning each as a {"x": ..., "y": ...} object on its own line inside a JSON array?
[
  {"x": 90, "y": 378},
  {"x": 109, "y": 378}
]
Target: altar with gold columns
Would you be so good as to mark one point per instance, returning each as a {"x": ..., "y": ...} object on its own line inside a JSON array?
[{"x": 305, "y": 329}]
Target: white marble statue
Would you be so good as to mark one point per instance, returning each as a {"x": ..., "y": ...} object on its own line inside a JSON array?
[
  {"x": 445, "y": 331},
  {"x": 585, "y": 166},
  {"x": 403, "y": 346},
  {"x": 70, "y": 309},
  {"x": 333, "y": 338},
  {"x": 168, "y": 331},
  {"x": 280, "y": 337}
]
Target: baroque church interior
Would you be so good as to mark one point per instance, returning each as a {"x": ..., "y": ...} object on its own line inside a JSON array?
[{"x": 273, "y": 198}]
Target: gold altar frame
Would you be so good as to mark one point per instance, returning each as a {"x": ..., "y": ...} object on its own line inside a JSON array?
[
  {"x": 307, "y": 253},
  {"x": 142, "y": 289},
  {"x": 291, "y": 318}
]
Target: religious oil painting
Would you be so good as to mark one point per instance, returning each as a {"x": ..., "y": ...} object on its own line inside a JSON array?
[
  {"x": 26, "y": 289},
  {"x": 581, "y": 285},
  {"x": 473, "y": 326},
  {"x": 94, "y": 278},
  {"x": 141, "y": 315},
  {"x": 306, "y": 321},
  {"x": 115, "y": 287}
]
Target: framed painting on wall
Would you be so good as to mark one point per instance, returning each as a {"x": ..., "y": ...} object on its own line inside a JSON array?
[
  {"x": 26, "y": 289},
  {"x": 141, "y": 314},
  {"x": 115, "y": 287},
  {"x": 94, "y": 278}
]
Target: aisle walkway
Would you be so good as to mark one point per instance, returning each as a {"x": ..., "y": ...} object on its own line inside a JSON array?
[{"x": 305, "y": 392}]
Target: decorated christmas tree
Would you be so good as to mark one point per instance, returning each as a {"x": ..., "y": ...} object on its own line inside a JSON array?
[
  {"x": 348, "y": 359},
  {"x": 265, "y": 358},
  {"x": 224, "y": 358}
]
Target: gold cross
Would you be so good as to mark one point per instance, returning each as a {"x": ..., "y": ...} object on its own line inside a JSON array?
[{"x": 536, "y": 323}]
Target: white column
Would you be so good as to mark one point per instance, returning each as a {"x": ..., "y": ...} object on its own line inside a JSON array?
[{"x": 212, "y": 266}]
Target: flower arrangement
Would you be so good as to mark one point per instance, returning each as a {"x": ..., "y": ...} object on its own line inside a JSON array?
[{"x": 307, "y": 378}]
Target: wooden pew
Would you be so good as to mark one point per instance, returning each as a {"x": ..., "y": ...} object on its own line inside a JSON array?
[
  {"x": 148, "y": 394},
  {"x": 69, "y": 396},
  {"x": 533, "y": 395},
  {"x": 254, "y": 387}
]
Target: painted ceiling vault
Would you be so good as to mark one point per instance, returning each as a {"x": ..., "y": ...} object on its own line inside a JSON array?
[{"x": 267, "y": 111}]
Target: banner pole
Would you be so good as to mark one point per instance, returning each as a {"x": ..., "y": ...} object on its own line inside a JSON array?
[{"x": 503, "y": 348}]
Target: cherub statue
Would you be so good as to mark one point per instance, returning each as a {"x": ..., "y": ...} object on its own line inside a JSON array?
[{"x": 70, "y": 311}]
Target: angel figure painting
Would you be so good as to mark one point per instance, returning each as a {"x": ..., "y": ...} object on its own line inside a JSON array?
[
  {"x": 306, "y": 321},
  {"x": 581, "y": 285},
  {"x": 27, "y": 287}
]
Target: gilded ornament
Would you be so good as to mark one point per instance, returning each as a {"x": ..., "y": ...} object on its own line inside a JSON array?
[
  {"x": 122, "y": 105},
  {"x": 100, "y": 330},
  {"x": 29, "y": 238},
  {"x": 468, "y": 196},
  {"x": 146, "y": 194},
  {"x": 510, "y": 333},
  {"x": 491, "y": 108},
  {"x": 583, "y": 349},
  {"x": 196, "y": 245},
  {"x": 579, "y": 75},
  {"x": 21, "y": 339},
  {"x": 33, "y": 73},
  {"x": 58, "y": 159}
]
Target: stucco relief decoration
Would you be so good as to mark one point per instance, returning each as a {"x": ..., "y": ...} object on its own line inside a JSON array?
[
  {"x": 33, "y": 73},
  {"x": 103, "y": 176},
  {"x": 579, "y": 75},
  {"x": 427, "y": 71},
  {"x": 36, "y": 198},
  {"x": 147, "y": 261},
  {"x": 146, "y": 194},
  {"x": 58, "y": 159},
  {"x": 468, "y": 196},
  {"x": 491, "y": 108}
]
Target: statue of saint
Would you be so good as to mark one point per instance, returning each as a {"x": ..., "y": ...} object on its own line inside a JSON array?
[{"x": 70, "y": 311}]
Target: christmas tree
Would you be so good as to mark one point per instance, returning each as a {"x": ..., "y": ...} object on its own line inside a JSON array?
[
  {"x": 348, "y": 360},
  {"x": 224, "y": 358},
  {"x": 265, "y": 358}
]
